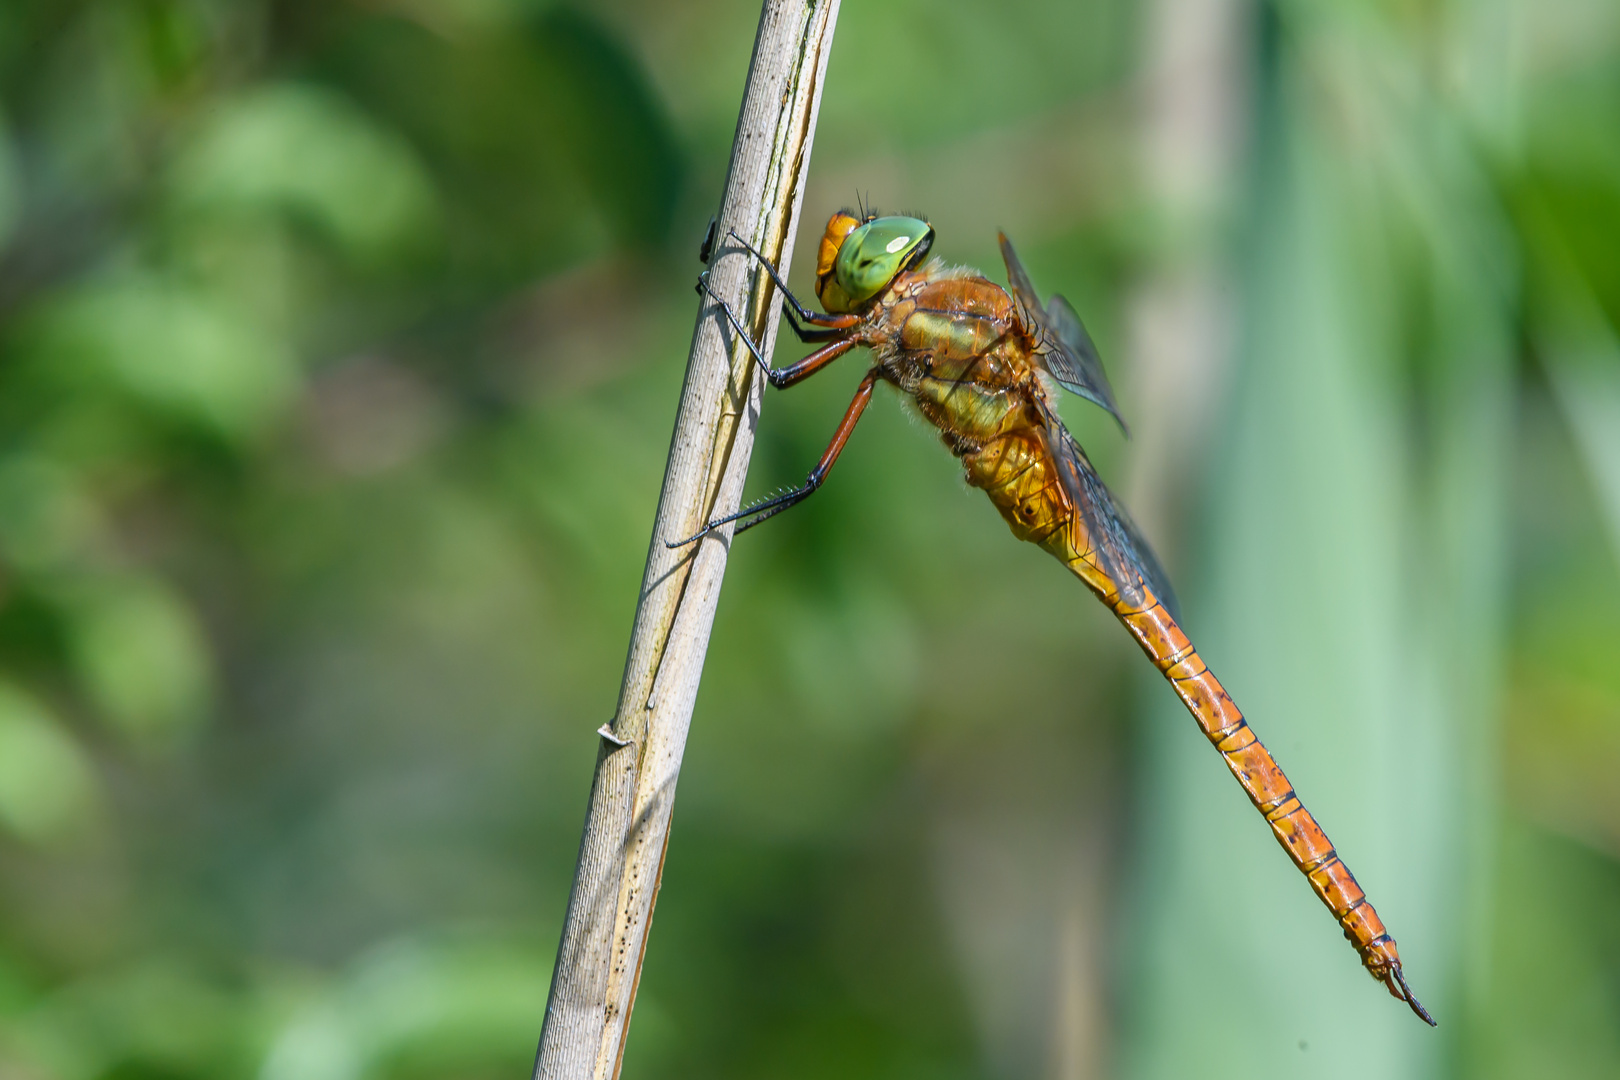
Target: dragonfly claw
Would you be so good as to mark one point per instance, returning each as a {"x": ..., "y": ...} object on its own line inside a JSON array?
[
  {"x": 694, "y": 538},
  {"x": 706, "y": 249}
]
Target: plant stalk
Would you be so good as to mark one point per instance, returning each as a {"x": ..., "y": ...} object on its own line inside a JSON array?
[{"x": 621, "y": 854}]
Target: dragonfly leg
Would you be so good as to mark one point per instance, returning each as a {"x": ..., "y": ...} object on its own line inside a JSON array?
[
  {"x": 706, "y": 248},
  {"x": 781, "y": 378},
  {"x": 767, "y": 508},
  {"x": 797, "y": 312}
]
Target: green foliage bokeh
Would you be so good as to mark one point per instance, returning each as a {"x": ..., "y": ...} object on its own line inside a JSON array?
[{"x": 339, "y": 349}]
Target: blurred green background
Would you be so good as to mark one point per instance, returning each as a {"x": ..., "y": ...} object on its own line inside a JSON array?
[{"x": 339, "y": 349}]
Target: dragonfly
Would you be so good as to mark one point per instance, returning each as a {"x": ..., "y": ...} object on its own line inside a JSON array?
[{"x": 983, "y": 364}]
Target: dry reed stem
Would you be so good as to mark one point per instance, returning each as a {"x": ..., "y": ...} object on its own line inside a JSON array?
[{"x": 621, "y": 857}]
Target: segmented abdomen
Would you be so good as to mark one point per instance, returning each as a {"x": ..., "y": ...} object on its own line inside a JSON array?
[
  {"x": 1018, "y": 474},
  {"x": 1267, "y": 786},
  {"x": 1016, "y": 471}
]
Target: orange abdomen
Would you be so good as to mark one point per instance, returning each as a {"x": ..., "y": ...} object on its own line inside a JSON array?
[
  {"x": 1267, "y": 786},
  {"x": 1017, "y": 473}
]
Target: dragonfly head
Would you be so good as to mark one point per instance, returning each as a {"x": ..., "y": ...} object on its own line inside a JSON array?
[{"x": 861, "y": 255}]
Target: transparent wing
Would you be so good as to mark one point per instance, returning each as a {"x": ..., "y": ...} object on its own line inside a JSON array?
[
  {"x": 1122, "y": 552},
  {"x": 1084, "y": 370},
  {"x": 1064, "y": 348}
]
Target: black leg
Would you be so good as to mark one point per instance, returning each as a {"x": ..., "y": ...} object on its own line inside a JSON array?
[
  {"x": 796, "y": 309},
  {"x": 781, "y": 378},
  {"x": 768, "y": 508},
  {"x": 706, "y": 248}
]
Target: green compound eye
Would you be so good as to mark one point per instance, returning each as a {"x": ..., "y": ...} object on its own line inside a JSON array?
[{"x": 873, "y": 254}]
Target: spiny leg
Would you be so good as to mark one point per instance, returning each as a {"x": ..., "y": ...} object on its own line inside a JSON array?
[
  {"x": 797, "y": 312},
  {"x": 780, "y": 378},
  {"x": 767, "y": 508}
]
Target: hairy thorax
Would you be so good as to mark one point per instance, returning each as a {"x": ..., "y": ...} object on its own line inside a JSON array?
[{"x": 951, "y": 341}]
